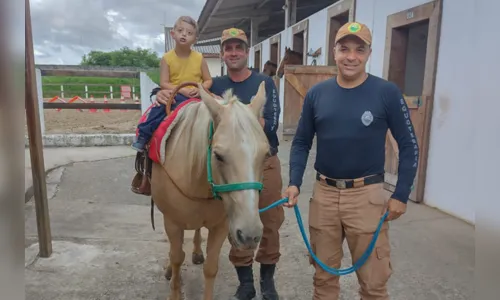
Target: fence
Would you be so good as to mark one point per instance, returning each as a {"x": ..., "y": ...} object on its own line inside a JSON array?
[{"x": 146, "y": 85}]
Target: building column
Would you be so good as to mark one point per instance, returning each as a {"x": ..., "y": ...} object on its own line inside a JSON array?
[
  {"x": 290, "y": 12},
  {"x": 254, "y": 29}
]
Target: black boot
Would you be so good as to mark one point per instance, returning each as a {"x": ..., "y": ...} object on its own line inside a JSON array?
[
  {"x": 267, "y": 287},
  {"x": 246, "y": 289}
]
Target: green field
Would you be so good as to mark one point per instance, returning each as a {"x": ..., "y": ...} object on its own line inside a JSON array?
[{"x": 97, "y": 86}]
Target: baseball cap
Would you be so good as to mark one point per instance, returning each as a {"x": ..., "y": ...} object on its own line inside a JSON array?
[
  {"x": 234, "y": 34},
  {"x": 356, "y": 29}
]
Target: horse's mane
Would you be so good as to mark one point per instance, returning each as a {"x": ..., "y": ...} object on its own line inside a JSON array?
[{"x": 197, "y": 128}]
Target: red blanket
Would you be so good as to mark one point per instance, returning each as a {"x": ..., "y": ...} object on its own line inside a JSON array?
[{"x": 165, "y": 128}]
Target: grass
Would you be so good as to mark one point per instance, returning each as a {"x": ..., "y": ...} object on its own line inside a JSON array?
[{"x": 97, "y": 86}]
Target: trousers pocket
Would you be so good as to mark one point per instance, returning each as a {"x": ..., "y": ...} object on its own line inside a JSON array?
[
  {"x": 377, "y": 195},
  {"x": 381, "y": 267}
]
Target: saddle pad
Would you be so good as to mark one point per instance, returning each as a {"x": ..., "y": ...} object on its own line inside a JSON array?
[{"x": 160, "y": 135}]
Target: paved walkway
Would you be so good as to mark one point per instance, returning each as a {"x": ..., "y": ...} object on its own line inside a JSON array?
[
  {"x": 105, "y": 248},
  {"x": 56, "y": 157}
]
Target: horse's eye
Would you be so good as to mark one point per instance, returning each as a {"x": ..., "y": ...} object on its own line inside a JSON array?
[{"x": 218, "y": 157}]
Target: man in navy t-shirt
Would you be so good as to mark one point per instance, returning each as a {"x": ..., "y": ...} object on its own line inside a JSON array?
[
  {"x": 350, "y": 115},
  {"x": 245, "y": 84}
]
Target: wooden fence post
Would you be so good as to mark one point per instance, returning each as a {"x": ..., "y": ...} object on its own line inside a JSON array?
[{"x": 36, "y": 144}]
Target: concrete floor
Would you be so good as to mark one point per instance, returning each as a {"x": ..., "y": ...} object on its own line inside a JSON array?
[{"x": 104, "y": 246}]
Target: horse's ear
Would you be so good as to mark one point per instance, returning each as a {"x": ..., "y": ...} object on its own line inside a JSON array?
[
  {"x": 212, "y": 104},
  {"x": 259, "y": 100}
]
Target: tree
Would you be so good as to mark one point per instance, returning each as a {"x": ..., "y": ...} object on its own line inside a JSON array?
[{"x": 125, "y": 57}]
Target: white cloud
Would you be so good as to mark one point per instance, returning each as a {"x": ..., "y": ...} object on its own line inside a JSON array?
[{"x": 63, "y": 31}]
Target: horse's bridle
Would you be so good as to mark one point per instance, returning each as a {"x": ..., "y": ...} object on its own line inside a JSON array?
[
  {"x": 224, "y": 188},
  {"x": 216, "y": 188}
]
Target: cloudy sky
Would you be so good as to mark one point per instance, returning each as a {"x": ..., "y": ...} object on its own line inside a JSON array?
[{"x": 64, "y": 30}]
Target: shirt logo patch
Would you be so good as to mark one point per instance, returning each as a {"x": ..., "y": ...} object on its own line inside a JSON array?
[{"x": 367, "y": 118}]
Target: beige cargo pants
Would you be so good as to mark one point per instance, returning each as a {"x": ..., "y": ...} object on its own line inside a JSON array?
[{"x": 352, "y": 214}]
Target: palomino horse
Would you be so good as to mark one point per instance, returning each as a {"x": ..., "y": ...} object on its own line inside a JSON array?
[
  {"x": 290, "y": 58},
  {"x": 197, "y": 256},
  {"x": 214, "y": 160}
]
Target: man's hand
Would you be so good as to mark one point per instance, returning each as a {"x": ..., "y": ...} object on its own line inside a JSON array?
[
  {"x": 292, "y": 193},
  {"x": 162, "y": 97},
  {"x": 396, "y": 208},
  {"x": 262, "y": 122}
]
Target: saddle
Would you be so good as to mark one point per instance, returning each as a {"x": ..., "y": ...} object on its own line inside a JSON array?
[{"x": 141, "y": 183}]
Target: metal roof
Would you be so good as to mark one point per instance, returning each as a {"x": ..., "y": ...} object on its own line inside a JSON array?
[
  {"x": 209, "y": 46},
  {"x": 218, "y": 15}
]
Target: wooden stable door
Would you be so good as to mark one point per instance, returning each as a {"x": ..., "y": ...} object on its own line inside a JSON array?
[
  {"x": 298, "y": 80},
  {"x": 410, "y": 62},
  {"x": 416, "y": 114}
]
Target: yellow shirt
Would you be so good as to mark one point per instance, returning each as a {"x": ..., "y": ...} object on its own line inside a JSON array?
[{"x": 184, "y": 69}]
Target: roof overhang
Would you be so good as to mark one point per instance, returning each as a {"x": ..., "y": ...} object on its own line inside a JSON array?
[{"x": 218, "y": 15}]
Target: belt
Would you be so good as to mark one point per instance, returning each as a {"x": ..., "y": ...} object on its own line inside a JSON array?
[
  {"x": 351, "y": 183},
  {"x": 273, "y": 151}
]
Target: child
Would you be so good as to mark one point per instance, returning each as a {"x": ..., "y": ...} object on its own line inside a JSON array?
[{"x": 178, "y": 65}]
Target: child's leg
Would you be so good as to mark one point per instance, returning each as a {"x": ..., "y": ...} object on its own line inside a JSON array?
[{"x": 156, "y": 116}]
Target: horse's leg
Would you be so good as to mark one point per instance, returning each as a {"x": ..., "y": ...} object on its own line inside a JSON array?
[
  {"x": 216, "y": 237},
  {"x": 197, "y": 257},
  {"x": 176, "y": 255}
]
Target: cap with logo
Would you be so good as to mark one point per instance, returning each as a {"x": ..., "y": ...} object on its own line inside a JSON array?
[
  {"x": 234, "y": 34},
  {"x": 354, "y": 29}
]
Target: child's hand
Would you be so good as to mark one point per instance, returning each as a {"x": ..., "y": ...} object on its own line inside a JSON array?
[
  {"x": 194, "y": 93},
  {"x": 185, "y": 91}
]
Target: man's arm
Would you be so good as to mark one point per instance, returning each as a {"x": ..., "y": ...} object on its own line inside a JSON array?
[
  {"x": 302, "y": 141},
  {"x": 402, "y": 130},
  {"x": 205, "y": 72},
  {"x": 272, "y": 109}
]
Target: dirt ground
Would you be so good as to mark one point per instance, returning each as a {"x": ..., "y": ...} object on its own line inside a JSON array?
[{"x": 75, "y": 121}]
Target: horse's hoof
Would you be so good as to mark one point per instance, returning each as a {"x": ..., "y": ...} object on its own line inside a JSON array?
[
  {"x": 198, "y": 259},
  {"x": 168, "y": 273}
]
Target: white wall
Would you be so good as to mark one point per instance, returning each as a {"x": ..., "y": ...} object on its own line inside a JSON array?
[
  {"x": 317, "y": 36},
  {"x": 451, "y": 148},
  {"x": 147, "y": 85},
  {"x": 214, "y": 65}
]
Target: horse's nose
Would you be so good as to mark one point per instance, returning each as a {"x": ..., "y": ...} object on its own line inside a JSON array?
[{"x": 247, "y": 240}]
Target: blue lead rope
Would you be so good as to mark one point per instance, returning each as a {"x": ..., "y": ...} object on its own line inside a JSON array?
[{"x": 328, "y": 269}]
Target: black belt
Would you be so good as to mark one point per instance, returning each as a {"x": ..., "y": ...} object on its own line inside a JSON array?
[
  {"x": 273, "y": 151},
  {"x": 351, "y": 183}
]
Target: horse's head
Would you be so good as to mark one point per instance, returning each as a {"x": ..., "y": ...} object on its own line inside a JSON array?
[
  {"x": 290, "y": 58},
  {"x": 270, "y": 68},
  {"x": 239, "y": 149}
]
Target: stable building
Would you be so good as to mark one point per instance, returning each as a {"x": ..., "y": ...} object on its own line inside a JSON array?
[{"x": 414, "y": 45}]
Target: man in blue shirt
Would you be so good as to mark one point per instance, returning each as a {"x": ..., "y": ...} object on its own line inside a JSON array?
[
  {"x": 350, "y": 115},
  {"x": 245, "y": 84}
]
